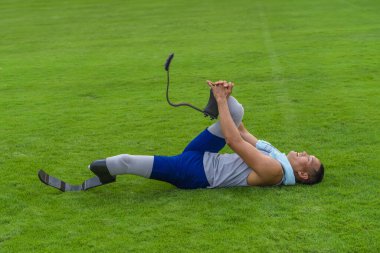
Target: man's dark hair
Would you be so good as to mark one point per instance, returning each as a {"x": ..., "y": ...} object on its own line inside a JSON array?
[{"x": 315, "y": 177}]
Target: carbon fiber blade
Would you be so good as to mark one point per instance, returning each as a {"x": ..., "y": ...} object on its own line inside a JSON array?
[
  {"x": 91, "y": 183},
  {"x": 57, "y": 183}
]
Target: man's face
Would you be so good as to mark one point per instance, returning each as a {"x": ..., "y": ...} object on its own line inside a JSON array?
[{"x": 303, "y": 164}]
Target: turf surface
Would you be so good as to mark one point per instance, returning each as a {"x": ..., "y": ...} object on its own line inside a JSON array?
[{"x": 83, "y": 80}]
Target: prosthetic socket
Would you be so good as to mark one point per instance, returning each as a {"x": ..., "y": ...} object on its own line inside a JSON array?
[{"x": 99, "y": 168}]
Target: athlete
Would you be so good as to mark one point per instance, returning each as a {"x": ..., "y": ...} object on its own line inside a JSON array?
[
  {"x": 200, "y": 165},
  {"x": 254, "y": 163}
]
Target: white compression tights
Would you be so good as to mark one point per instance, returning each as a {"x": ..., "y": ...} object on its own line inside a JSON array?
[{"x": 142, "y": 165}]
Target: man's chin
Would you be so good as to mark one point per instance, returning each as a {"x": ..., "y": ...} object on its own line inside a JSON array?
[{"x": 291, "y": 153}]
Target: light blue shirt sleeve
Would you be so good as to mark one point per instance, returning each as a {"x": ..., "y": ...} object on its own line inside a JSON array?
[{"x": 268, "y": 149}]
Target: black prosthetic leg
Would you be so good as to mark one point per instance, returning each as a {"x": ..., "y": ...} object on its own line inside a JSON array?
[
  {"x": 102, "y": 177},
  {"x": 99, "y": 167},
  {"x": 211, "y": 108}
]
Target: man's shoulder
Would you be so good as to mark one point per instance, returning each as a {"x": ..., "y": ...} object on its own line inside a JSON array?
[
  {"x": 277, "y": 170},
  {"x": 273, "y": 174}
]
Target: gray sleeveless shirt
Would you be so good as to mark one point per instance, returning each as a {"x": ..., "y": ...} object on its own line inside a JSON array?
[{"x": 227, "y": 170}]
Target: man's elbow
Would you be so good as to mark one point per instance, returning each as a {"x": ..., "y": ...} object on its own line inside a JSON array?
[{"x": 234, "y": 141}]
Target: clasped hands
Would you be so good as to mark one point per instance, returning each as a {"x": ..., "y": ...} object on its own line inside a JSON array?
[{"x": 221, "y": 89}]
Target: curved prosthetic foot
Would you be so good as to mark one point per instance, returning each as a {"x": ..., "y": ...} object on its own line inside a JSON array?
[
  {"x": 99, "y": 167},
  {"x": 211, "y": 108},
  {"x": 66, "y": 187}
]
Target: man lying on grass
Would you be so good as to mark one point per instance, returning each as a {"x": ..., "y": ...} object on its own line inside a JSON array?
[{"x": 254, "y": 163}]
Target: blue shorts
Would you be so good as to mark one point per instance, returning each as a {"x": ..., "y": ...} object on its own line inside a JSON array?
[{"x": 186, "y": 170}]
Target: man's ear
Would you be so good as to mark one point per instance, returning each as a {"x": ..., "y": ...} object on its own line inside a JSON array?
[{"x": 303, "y": 175}]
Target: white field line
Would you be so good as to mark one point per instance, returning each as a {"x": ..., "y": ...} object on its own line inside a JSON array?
[{"x": 276, "y": 68}]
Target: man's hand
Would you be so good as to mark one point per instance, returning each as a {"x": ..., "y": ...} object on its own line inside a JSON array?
[{"x": 221, "y": 89}]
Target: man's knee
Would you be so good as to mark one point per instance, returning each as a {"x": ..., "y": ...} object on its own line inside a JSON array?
[
  {"x": 119, "y": 161},
  {"x": 236, "y": 109}
]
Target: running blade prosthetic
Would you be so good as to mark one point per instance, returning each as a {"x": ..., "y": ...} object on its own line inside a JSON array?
[
  {"x": 65, "y": 187},
  {"x": 211, "y": 109}
]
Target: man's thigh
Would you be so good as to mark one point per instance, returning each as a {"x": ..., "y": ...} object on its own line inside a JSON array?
[
  {"x": 185, "y": 171},
  {"x": 206, "y": 142}
]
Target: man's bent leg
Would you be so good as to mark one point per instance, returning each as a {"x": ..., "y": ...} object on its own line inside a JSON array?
[
  {"x": 212, "y": 139},
  {"x": 237, "y": 113},
  {"x": 206, "y": 142}
]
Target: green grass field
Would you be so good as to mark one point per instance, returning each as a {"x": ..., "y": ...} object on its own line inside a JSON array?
[{"x": 83, "y": 80}]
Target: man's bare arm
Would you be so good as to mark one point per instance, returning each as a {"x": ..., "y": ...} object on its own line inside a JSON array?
[
  {"x": 267, "y": 171},
  {"x": 246, "y": 135}
]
